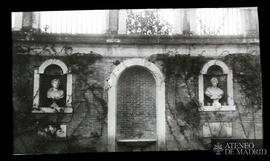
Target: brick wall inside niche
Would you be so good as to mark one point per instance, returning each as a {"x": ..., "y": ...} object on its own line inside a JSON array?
[{"x": 136, "y": 111}]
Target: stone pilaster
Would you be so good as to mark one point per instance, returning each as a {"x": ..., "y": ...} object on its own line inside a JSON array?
[
  {"x": 30, "y": 20},
  {"x": 250, "y": 21},
  {"x": 122, "y": 26},
  {"x": 27, "y": 20},
  {"x": 113, "y": 21},
  {"x": 178, "y": 21},
  {"x": 189, "y": 26}
]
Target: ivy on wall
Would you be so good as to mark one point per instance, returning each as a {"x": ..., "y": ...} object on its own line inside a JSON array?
[
  {"x": 26, "y": 123},
  {"x": 187, "y": 68},
  {"x": 181, "y": 68},
  {"x": 247, "y": 73},
  {"x": 176, "y": 68}
]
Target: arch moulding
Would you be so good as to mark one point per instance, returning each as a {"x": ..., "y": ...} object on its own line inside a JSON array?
[
  {"x": 228, "y": 72},
  {"x": 36, "y": 91},
  {"x": 160, "y": 100}
]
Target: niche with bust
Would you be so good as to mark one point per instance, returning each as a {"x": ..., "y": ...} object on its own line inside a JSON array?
[
  {"x": 52, "y": 88},
  {"x": 215, "y": 87}
]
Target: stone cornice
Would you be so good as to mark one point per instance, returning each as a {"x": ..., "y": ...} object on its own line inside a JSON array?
[{"x": 133, "y": 39}]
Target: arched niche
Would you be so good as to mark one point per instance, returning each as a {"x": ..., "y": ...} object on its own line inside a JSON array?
[
  {"x": 48, "y": 70},
  {"x": 160, "y": 101},
  {"x": 228, "y": 104}
]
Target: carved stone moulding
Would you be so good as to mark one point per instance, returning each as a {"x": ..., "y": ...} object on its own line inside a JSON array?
[
  {"x": 40, "y": 76},
  {"x": 228, "y": 105}
]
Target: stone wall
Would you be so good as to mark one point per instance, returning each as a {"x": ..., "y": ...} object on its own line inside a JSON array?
[{"x": 87, "y": 125}]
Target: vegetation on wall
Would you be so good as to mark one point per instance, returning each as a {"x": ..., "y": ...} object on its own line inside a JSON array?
[
  {"x": 181, "y": 68},
  {"x": 186, "y": 68},
  {"x": 27, "y": 123},
  {"x": 181, "y": 72},
  {"x": 247, "y": 73}
]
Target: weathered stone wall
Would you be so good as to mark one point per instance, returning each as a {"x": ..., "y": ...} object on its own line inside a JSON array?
[{"x": 87, "y": 125}]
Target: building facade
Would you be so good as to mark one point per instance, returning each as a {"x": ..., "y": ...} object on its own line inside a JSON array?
[{"x": 115, "y": 91}]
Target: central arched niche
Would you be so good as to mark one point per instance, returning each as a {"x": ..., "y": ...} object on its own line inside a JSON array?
[
  {"x": 160, "y": 141},
  {"x": 136, "y": 107}
]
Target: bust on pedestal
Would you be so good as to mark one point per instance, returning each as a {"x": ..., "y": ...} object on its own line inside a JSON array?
[
  {"x": 214, "y": 93},
  {"x": 54, "y": 93}
]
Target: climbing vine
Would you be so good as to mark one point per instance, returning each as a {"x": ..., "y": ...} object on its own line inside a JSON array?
[
  {"x": 247, "y": 73},
  {"x": 44, "y": 126},
  {"x": 182, "y": 68},
  {"x": 182, "y": 71},
  {"x": 187, "y": 68}
]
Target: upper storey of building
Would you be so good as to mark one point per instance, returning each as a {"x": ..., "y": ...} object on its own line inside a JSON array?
[{"x": 164, "y": 28}]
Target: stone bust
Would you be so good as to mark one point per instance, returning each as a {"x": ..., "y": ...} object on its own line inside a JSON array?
[
  {"x": 54, "y": 93},
  {"x": 214, "y": 93}
]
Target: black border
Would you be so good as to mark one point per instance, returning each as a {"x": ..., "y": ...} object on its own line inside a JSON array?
[{"x": 76, "y": 5}]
